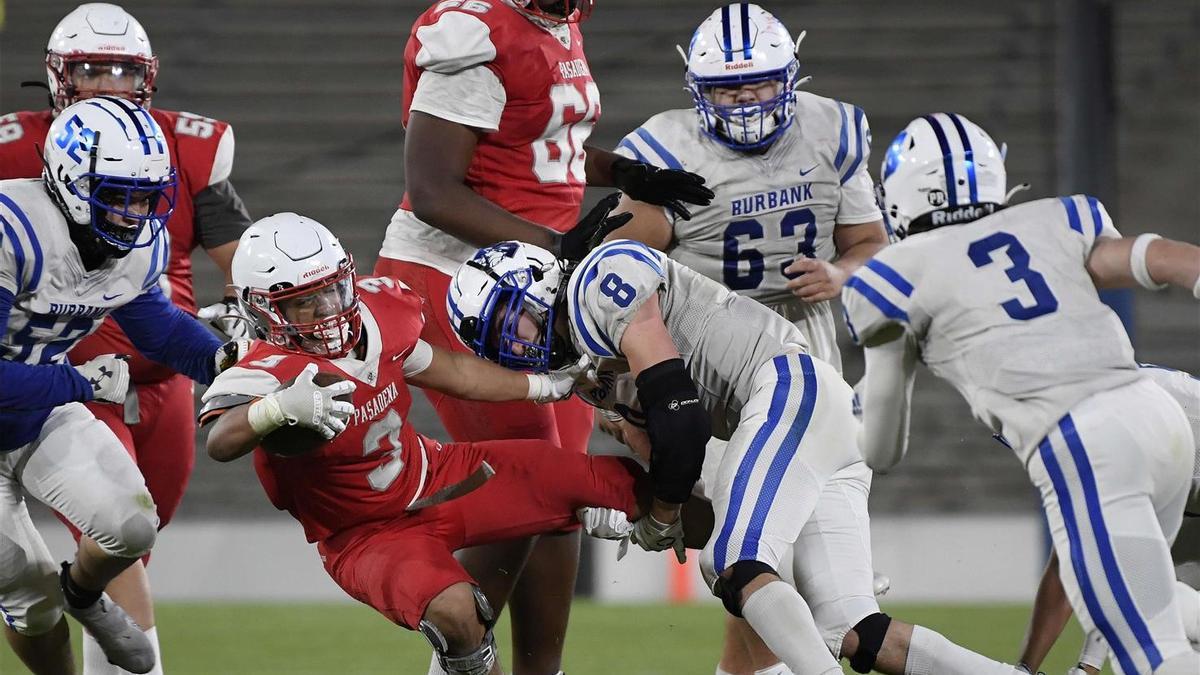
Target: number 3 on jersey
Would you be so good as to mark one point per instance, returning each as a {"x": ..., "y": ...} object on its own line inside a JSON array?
[
  {"x": 1044, "y": 301},
  {"x": 558, "y": 154}
]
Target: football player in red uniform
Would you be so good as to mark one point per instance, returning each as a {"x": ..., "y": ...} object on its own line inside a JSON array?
[
  {"x": 498, "y": 105},
  {"x": 385, "y": 505},
  {"x": 101, "y": 49}
]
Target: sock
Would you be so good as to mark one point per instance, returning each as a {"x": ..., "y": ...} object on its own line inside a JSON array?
[
  {"x": 95, "y": 663},
  {"x": 777, "y": 669},
  {"x": 785, "y": 623},
  {"x": 930, "y": 653},
  {"x": 1095, "y": 650},
  {"x": 1189, "y": 608},
  {"x": 77, "y": 596}
]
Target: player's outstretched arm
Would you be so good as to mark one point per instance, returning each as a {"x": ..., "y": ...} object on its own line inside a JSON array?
[
  {"x": 471, "y": 378},
  {"x": 164, "y": 333},
  {"x": 437, "y": 153},
  {"x": 670, "y": 188},
  {"x": 1147, "y": 260},
  {"x": 1051, "y": 610},
  {"x": 887, "y": 399}
]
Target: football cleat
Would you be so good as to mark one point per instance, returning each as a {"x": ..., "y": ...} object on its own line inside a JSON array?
[{"x": 123, "y": 642}]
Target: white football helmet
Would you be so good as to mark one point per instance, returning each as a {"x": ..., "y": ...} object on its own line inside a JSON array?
[
  {"x": 488, "y": 294},
  {"x": 99, "y": 36},
  {"x": 108, "y": 167},
  {"x": 737, "y": 45},
  {"x": 941, "y": 170},
  {"x": 295, "y": 283}
]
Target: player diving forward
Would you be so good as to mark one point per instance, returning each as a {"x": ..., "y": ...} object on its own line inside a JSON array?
[
  {"x": 794, "y": 215},
  {"x": 704, "y": 362},
  {"x": 1002, "y": 303},
  {"x": 386, "y": 506},
  {"x": 81, "y": 243},
  {"x": 1052, "y": 609}
]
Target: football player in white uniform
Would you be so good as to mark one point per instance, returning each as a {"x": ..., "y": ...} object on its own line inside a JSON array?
[
  {"x": 681, "y": 358},
  {"x": 1052, "y": 609},
  {"x": 84, "y": 241},
  {"x": 794, "y": 215},
  {"x": 1002, "y": 303}
]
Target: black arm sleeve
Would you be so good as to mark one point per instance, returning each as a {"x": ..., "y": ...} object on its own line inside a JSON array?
[
  {"x": 678, "y": 426},
  {"x": 220, "y": 215}
]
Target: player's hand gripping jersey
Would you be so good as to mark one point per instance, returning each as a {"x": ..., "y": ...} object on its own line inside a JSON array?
[
  {"x": 202, "y": 152},
  {"x": 484, "y": 64},
  {"x": 722, "y": 337},
  {"x": 379, "y": 465},
  {"x": 995, "y": 307},
  {"x": 771, "y": 208}
]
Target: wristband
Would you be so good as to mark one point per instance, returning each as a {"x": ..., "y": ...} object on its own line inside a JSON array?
[
  {"x": 1137, "y": 262},
  {"x": 265, "y": 416}
]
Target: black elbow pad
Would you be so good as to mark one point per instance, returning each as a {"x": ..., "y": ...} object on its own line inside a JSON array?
[{"x": 679, "y": 427}]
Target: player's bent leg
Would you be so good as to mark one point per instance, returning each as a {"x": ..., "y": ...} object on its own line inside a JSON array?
[
  {"x": 458, "y": 624},
  {"x": 540, "y": 604},
  {"x": 47, "y": 653}
]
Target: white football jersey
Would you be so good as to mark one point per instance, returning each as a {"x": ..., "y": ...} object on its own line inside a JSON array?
[
  {"x": 772, "y": 207},
  {"x": 722, "y": 337},
  {"x": 1004, "y": 309},
  {"x": 56, "y": 301}
]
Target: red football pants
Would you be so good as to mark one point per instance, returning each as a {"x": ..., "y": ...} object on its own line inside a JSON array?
[
  {"x": 162, "y": 443},
  {"x": 567, "y": 424},
  {"x": 399, "y": 567}
]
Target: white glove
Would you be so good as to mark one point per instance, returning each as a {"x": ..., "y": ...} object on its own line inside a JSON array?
[
  {"x": 229, "y": 354},
  {"x": 652, "y": 535},
  {"x": 109, "y": 377},
  {"x": 557, "y": 385},
  {"x": 604, "y": 523},
  {"x": 304, "y": 404},
  {"x": 227, "y": 318}
]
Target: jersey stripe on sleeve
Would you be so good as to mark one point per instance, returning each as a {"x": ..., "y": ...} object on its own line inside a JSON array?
[
  {"x": 667, "y": 159},
  {"x": 860, "y": 131},
  {"x": 31, "y": 244},
  {"x": 627, "y": 144},
  {"x": 876, "y": 298}
]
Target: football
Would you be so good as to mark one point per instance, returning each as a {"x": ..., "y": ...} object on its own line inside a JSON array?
[{"x": 294, "y": 440}]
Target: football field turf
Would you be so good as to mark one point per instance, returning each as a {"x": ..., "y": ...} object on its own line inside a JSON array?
[{"x": 219, "y": 639}]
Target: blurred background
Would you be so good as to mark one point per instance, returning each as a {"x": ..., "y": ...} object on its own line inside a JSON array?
[{"x": 1096, "y": 97}]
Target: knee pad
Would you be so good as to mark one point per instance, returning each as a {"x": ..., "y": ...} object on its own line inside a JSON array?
[
  {"x": 729, "y": 589},
  {"x": 871, "y": 632},
  {"x": 479, "y": 661},
  {"x": 132, "y": 538}
]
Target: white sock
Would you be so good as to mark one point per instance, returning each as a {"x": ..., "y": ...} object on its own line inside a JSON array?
[
  {"x": 930, "y": 653},
  {"x": 1188, "y": 600},
  {"x": 777, "y": 669},
  {"x": 95, "y": 663},
  {"x": 785, "y": 623},
  {"x": 1095, "y": 650}
]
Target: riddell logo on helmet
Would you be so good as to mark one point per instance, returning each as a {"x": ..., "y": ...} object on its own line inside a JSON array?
[
  {"x": 110, "y": 48},
  {"x": 739, "y": 65},
  {"x": 315, "y": 272}
]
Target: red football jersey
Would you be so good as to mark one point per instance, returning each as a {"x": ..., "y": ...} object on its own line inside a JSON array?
[
  {"x": 202, "y": 152},
  {"x": 374, "y": 469},
  {"x": 533, "y": 166}
]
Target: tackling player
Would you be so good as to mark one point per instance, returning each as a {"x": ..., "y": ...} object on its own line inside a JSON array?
[
  {"x": 794, "y": 215},
  {"x": 100, "y": 49},
  {"x": 1001, "y": 301},
  {"x": 1052, "y": 608},
  {"x": 385, "y": 505},
  {"x": 683, "y": 358},
  {"x": 81, "y": 243},
  {"x": 498, "y": 105}
]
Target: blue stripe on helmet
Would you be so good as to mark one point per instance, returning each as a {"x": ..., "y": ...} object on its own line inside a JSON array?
[
  {"x": 969, "y": 161},
  {"x": 892, "y": 161},
  {"x": 947, "y": 159},
  {"x": 727, "y": 43},
  {"x": 746, "y": 53}
]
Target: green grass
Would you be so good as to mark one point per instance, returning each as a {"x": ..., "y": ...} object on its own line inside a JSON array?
[{"x": 236, "y": 639}]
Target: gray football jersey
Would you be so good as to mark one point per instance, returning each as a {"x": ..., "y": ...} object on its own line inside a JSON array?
[
  {"x": 722, "y": 337},
  {"x": 1004, "y": 309},
  {"x": 770, "y": 208},
  {"x": 56, "y": 302}
]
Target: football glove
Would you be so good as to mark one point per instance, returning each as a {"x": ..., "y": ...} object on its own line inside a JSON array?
[
  {"x": 591, "y": 230},
  {"x": 229, "y": 354},
  {"x": 226, "y": 317},
  {"x": 109, "y": 376},
  {"x": 604, "y": 523},
  {"x": 557, "y": 385},
  {"x": 670, "y": 188},
  {"x": 305, "y": 404},
  {"x": 652, "y": 535}
]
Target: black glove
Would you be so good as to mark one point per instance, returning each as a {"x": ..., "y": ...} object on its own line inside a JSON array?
[
  {"x": 661, "y": 187},
  {"x": 575, "y": 243}
]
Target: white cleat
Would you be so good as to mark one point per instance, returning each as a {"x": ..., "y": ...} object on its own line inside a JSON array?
[
  {"x": 882, "y": 585},
  {"x": 122, "y": 641}
]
